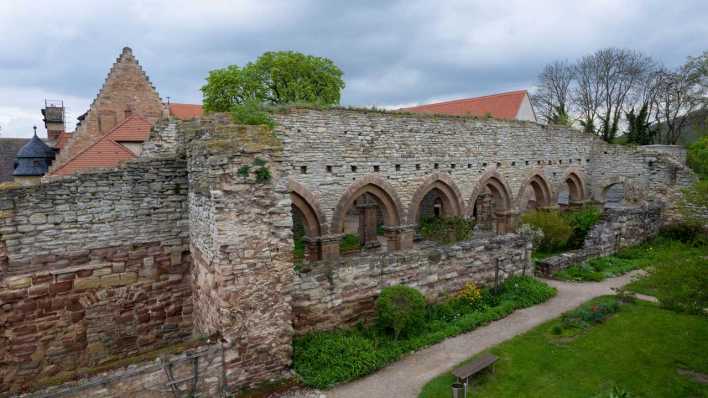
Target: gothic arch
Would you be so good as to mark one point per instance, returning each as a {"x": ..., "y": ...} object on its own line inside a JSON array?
[
  {"x": 575, "y": 182},
  {"x": 453, "y": 204},
  {"x": 492, "y": 180},
  {"x": 541, "y": 188},
  {"x": 380, "y": 189},
  {"x": 308, "y": 205}
]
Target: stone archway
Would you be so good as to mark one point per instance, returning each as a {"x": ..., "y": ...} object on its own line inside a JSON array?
[
  {"x": 535, "y": 193},
  {"x": 571, "y": 192},
  {"x": 613, "y": 195},
  {"x": 375, "y": 197},
  {"x": 437, "y": 192},
  {"x": 308, "y": 220},
  {"x": 490, "y": 204}
]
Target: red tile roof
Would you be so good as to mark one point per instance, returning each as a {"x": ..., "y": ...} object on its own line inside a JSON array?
[
  {"x": 186, "y": 111},
  {"x": 107, "y": 152},
  {"x": 500, "y": 106},
  {"x": 134, "y": 128}
]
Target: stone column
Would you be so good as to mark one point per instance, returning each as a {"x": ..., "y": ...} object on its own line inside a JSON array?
[
  {"x": 323, "y": 247},
  {"x": 367, "y": 222},
  {"x": 399, "y": 237}
]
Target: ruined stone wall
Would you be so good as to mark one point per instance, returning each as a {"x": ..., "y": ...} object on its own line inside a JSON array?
[
  {"x": 618, "y": 228},
  {"x": 344, "y": 292},
  {"x": 95, "y": 267},
  {"x": 197, "y": 372},
  {"x": 241, "y": 240}
]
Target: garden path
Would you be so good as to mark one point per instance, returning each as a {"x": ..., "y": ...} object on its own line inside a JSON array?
[{"x": 407, "y": 377}]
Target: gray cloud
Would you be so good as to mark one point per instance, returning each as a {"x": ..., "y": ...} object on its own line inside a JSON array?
[{"x": 392, "y": 53}]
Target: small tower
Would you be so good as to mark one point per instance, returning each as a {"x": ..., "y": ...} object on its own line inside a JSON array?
[
  {"x": 53, "y": 113},
  {"x": 33, "y": 161}
]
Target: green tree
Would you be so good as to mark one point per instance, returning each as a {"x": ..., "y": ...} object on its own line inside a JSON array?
[
  {"x": 639, "y": 128},
  {"x": 279, "y": 77},
  {"x": 698, "y": 157},
  {"x": 560, "y": 116}
]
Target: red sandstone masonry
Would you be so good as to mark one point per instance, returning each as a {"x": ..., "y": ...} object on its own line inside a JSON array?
[{"x": 122, "y": 301}]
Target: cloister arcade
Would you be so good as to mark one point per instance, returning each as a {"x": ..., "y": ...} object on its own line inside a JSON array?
[{"x": 371, "y": 210}]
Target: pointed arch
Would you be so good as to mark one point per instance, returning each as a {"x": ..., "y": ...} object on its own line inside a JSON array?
[
  {"x": 541, "y": 190},
  {"x": 377, "y": 187},
  {"x": 452, "y": 202},
  {"x": 491, "y": 180},
  {"x": 308, "y": 206},
  {"x": 575, "y": 182}
]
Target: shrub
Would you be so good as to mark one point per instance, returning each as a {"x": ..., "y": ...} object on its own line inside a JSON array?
[
  {"x": 470, "y": 294},
  {"x": 525, "y": 290},
  {"x": 400, "y": 309},
  {"x": 251, "y": 113},
  {"x": 556, "y": 230},
  {"x": 446, "y": 229},
  {"x": 698, "y": 156},
  {"x": 350, "y": 242},
  {"x": 682, "y": 285},
  {"x": 581, "y": 221},
  {"x": 689, "y": 233}
]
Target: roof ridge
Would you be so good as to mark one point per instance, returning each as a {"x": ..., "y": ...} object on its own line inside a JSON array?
[
  {"x": 113, "y": 130},
  {"x": 470, "y": 99}
]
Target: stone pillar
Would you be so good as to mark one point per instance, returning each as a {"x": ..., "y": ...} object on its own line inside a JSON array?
[
  {"x": 313, "y": 248},
  {"x": 504, "y": 222},
  {"x": 330, "y": 246},
  {"x": 399, "y": 237},
  {"x": 367, "y": 222},
  {"x": 242, "y": 233}
]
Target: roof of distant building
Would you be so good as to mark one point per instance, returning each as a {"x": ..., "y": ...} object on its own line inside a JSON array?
[
  {"x": 185, "y": 111},
  {"x": 62, "y": 139},
  {"x": 107, "y": 152},
  {"x": 501, "y": 106},
  {"x": 8, "y": 152},
  {"x": 34, "y": 158}
]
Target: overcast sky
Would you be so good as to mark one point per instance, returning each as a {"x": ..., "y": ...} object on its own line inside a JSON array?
[{"x": 392, "y": 53}]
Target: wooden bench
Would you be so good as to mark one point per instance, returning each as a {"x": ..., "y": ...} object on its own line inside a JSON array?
[{"x": 464, "y": 372}]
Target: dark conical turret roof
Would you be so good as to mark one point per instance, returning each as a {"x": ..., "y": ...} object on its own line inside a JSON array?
[
  {"x": 34, "y": 158},
  {"x": 35, "y": 148}
]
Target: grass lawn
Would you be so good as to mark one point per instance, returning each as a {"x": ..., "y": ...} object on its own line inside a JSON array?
[
  {"x": 659, "y": 250},
  {"x": 638, "y": 349}
]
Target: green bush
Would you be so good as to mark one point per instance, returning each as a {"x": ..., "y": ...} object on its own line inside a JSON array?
[
  {"x": 446, "y": 230},
  {"x": 689, "y": 233},
  {"x": 350, "y": 242},
  {"x": 251, "y": 113},
  {"x": 682, "y": 285},
  {"x": 581, "y": 221},
  {"x": 400, "y": 309},
  {"x": 556, "y": 230},
  {"x": 698, "y": 156},
  {"x": 323, "y": 359}
]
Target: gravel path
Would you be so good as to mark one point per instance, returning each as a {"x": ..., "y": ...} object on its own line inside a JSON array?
[{"x": 407, "y": 377}]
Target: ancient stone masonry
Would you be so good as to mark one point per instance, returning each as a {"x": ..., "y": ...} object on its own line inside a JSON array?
[
  {"x": 242, "y": 246},
  {"x": 343, "y": 293},
  {"x": 195, "y": 237},
  {"x": 96, "y": 267},
  {"x": 618, "y": 228}
]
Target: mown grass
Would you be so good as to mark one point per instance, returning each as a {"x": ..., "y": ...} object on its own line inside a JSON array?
[
  {"x": 639, "y": 349},
  {"x": 659, "y": 250}
]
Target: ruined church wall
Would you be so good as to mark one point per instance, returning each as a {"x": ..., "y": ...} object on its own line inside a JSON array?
[
  {"x": 406, "y": 148},
  {"x": 344, "y": 292},
  {"x": 93, "y": 268}
]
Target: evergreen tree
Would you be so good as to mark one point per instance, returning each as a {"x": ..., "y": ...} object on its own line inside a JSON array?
[{"x": 639, "y": 130}]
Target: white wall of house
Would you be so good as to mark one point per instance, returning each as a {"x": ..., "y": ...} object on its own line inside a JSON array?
[{"x": 526, "y": 110}]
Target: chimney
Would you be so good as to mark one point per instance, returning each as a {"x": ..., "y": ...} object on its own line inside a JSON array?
[{"x": 53, "y": 114}]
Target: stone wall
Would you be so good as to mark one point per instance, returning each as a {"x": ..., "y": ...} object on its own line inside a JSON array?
[
  {"x": 344, "y": 292},
  {"x": 93, "y": 268},
  {"x": 241, "y": 240},
  {"x": 195, "y": 372},
  {"x": 618, "y": 228}
]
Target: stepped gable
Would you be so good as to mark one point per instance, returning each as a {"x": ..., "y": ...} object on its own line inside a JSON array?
[{"x": 127, "y": 91}]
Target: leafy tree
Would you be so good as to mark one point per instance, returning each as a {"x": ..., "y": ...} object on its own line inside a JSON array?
[
  {"x": 279, "y": 77},
  {"x": 698, "y": 157},
  {"x": 560, "y": 116},
  {"x": 639, "y": 130}
]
